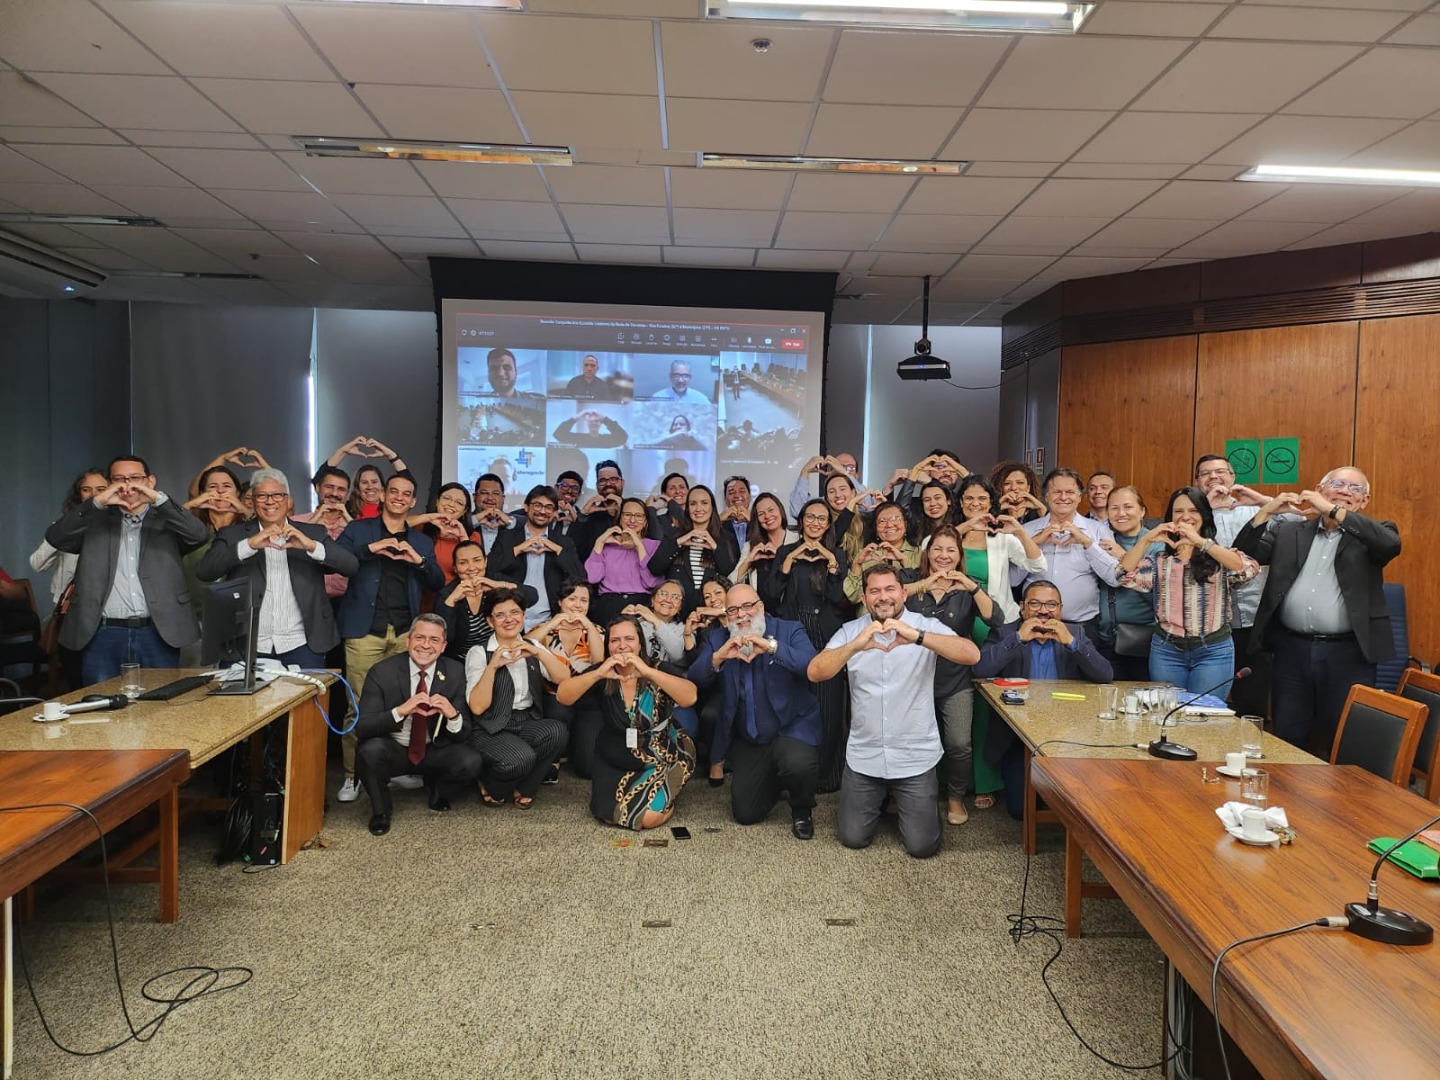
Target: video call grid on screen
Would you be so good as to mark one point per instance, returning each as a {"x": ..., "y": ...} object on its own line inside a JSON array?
[{"x": 708, "y": 393}]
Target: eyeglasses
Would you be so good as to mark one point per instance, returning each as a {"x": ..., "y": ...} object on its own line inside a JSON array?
[
  {"x": 1205, "y": 473},
  {"x": 127, "y": 479},
  {"x": 816, "y": 519},
  {"x": 1043, "y": 605},
  {"x": 1345, "y": 485},
  {"x": 540, "y": 504},
  {"x": 271, "y": 496},
  {"x": 742, "y": 609}
]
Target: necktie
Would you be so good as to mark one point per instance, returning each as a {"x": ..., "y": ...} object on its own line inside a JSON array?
[
  {"x": 747, "y": 691},
  {"x": 417, "y": 725}
]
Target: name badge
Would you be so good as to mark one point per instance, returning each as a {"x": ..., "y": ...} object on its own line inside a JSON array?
[{"x": 632, "y": 738}]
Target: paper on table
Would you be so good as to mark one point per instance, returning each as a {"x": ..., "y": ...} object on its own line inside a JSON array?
[{"x": 1229, "y": 815}]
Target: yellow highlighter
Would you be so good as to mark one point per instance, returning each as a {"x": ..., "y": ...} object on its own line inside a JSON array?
[{"x": 1066, "y": 697}]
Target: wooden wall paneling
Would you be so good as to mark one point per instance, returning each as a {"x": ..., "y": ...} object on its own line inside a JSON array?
[
  {"x": 1397, "y": 442},
  {"x": 1282, "y": 272},
  {"x": 1127, "y": 408},
  {"x": 1287, "y": 381}
]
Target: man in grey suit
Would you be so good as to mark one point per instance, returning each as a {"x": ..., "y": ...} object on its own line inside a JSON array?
[
  {"x": 286, "y": 563},
  {"x": 131, "y": 603}
]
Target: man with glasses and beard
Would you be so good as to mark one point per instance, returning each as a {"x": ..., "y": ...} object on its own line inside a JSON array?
[
  {"x": 769, "y": 723},
  {"x": 889, "y": 653},
  {"x": 531, "y": 554}
]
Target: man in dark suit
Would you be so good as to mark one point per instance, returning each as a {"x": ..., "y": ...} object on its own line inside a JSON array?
[
  {"x": 131, "y": 603},
  {"x": 413, "y": 719},
  {"x": 396, "y": 563},
  {"x": 286, "y": 563},
  {"x": 1040, "y": 646},
  {"x": 1323, "y": 610},
  {"x": 530, "y": 553},
  {"x": 736, "y": 516},
  {"x": 769, "y": 725}
]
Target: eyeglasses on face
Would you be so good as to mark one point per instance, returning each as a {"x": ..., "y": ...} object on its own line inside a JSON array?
[
  {"x": 816, "y": 519},
  {"x": 1345, "y": 485},
  {"x": 742, "y": 609},
  {"x": 1043, "y": 605},
  {"x": 270, "y": 496}
]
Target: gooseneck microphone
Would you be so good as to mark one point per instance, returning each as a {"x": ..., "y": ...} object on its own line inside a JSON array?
[
  {"x": 1163, "y": 747},
  {"x": 1370, "y": 920}
]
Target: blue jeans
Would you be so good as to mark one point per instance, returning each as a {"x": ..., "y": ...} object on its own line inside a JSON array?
[
  {"x": 304, "y": 657},
  {"x": 1196, "y": 670},
  {"x": 114, "y": 645}
]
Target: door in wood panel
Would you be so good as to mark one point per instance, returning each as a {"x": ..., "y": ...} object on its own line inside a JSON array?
[
  {"x": 1126, "y": 407},
  {"x": 1296, "y": 381},
  {"x": 1397, "y": 442}
]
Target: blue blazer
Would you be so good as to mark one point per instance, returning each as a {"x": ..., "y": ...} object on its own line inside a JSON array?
[
  {"x": 782, "y": 675},
  {"x": 357, "y": 606}
]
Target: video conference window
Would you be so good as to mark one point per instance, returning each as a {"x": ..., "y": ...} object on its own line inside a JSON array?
[{"x": 532, "y": 390}]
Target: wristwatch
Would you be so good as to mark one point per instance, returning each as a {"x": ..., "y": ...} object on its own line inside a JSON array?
[
  {"x": 772, "y": 645},
  {"x": 1333, "y": 511},
  {"x": 919, "y": 637}
]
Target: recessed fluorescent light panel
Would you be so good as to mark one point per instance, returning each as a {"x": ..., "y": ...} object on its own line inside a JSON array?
[
  {"x": 1010, "y": 16},
  {"x": 1321, "y": 174},
  {"x": 415, "y": 150},
  {"x": 865, "y": 166},
  {"x": 78, "y": 219}
]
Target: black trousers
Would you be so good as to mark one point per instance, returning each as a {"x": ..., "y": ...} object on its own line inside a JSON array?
[
  {"x": 447, "y": 768},
  {"x": 1311, "y": 682},
  {"x": 1251, "y": 696},
  {"x": 760, "y": 773},
  {"x": 517, "y": 758}
]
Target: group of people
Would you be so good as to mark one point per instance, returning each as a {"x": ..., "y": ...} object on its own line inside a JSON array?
[{"x": 825, "y": 641}]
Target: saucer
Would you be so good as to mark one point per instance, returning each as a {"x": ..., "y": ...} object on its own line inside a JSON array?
[
  {"x": 1264, "y": 841},
  {"x": 1225, "y": 770},
  {"x": 40, "y": 718}
]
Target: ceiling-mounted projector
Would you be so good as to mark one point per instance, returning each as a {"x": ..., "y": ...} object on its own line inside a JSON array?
[{"x": 922, "y": 365}]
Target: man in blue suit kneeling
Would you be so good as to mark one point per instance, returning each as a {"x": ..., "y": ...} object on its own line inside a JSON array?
[{"x": 769, "y": 725}]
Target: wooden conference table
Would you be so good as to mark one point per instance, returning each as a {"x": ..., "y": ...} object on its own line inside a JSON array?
[
  {"x": 1316, "y": 1003},
  {"x": 114, "y": 785},
  {"x": 203, "y": 726}
]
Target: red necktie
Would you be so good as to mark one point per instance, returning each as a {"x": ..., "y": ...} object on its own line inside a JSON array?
[{"x": 417, "y": 725}]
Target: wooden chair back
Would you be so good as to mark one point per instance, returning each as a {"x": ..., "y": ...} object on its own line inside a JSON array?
[{"x": 1379, "y": 732}]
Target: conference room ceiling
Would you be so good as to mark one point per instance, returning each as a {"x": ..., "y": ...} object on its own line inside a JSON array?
[{"x": 1110, "y": 151}]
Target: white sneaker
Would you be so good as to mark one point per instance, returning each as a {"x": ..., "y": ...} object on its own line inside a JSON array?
[
  {"x": 407, "y": 782},
  {"x": 350, "y": 790}
]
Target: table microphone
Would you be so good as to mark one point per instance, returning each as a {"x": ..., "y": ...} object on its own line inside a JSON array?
[
  {"x": 96, "y": 703},
  {"x": 1163, "y": 747},
  {"x": 1370, "y": 920}
]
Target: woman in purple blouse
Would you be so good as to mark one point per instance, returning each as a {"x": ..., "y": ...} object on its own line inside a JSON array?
[{"x": 617, "y": 564}]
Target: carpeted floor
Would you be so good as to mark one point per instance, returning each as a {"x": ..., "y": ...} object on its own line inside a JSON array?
[{"x": 513, "y": 944}]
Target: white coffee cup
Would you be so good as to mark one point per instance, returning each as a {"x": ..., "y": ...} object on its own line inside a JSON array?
[
  {"x": 1235, "y": 762},
  {"x": 53, "y": 710},
  {"x": 1252, "y": 824}
]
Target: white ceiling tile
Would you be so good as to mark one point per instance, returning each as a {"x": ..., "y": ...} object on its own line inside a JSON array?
[
  {"x": 330, "y": 245},
  {"x": 594, "y": 56},
  {"x": 254, "y": 41},
  {"x": 1012, "y": 169},
  {"x": 716, "y": 60},
  {"x": 1137, "y": 136},
  {"x": 15, "y": 168},
  {"x": 356, "y": 176},
  {"x": 772, "y": 259},
  {"x": 439, "y": 112},
  {"x": 258, "y": 170},
  {"x": 911, "y": 264},
  {"x": 56, "y": 236},
  {"x": 1421, "y": 30},
  {"x": 414, "y": 45},
  {"x": 849, "y": 193},
  {"x": 411, "y": 247},
  {"x": 969, "y": 195},
  {"x": 498, "y": 219},
  {"x": 398, "y": 213},
  {"x": 209, "y": 140},
  {"x": 736, "y": 127},
  {"x": 973, "y": 289},
  {"x": 1245, "y": 238},
  {"x": 382, "y": 269},
  {"x": 1323, "y": 203},
  {"x": 889, "y": 68},
  {"x": 1299, "y": 24},
  {"x": 1416, "y": 147},
  {"x": 1403, "y": 82},
  {"x": 1140, "y": 19},
  {"x": 23, "y": 102},
  {"x": 808, "y": 229},
  {"x": 1159, "y": 234},
  {"x": 529, "y": 252},
  {"x": 1022, "y": 267},
  {"x": 1304, "y": 140},
  {"x": 104, "y": 258},
  {"x": 708, "y": 256},
  {"x": 1352, "y": 234},
  {"x": 467, "y": 180},
  {"x": 1022, "y": 134},
  {"x": 160, "y": 248},
  {"x": 609, "y": 184},
  {"x": 1361, "y": 5},
  {"x": 861, "y": 260},
  {"x": 1211, "y": 172},
  {"x": 92, "y": 136},
  {"x": 644, "y": 254},
  {"x": 886, "y": 131},
  {"x": 1082, "y": 266},
  {"x": 1038, "y": 235},
  {"x": 617, "y": 224},
  {"x": 284, "y": 209},
  {"x": 139, "y": 101},
  {"x": 1089, "y": 198},
  {"x": 904, "y": 287},
  {"x": 238, "y": 243},
  {"x": 724, "y": 228},
  {"x": 1198, "y": 200},
  {"x": 1078, "y": 73},
  {"x": 290, "y": 108},
  {"x": 1243, "y": 77},
  {"x": 1415, "y": 213},
  {"x": 935, "y": 232},
  {"x": 1118, "y": 171},
  {"x": 571, "y": 119},
  {"x": 106, "y": 165},
  {"x": 69, "y": 35},
  {"x": 728, "y": 188},
  {"x": 170, "y": 204}
]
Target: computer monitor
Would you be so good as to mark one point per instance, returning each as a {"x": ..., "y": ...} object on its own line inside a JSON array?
[{"x": 228, "y": 632}]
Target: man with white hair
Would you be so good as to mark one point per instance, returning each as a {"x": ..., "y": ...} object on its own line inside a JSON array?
[
  {"x": 286, "y": 562},
  {"x": 1323, "y": 611},
  {"x": 769, "y": 723}
]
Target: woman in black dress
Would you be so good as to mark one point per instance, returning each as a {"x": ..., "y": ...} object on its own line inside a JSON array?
[{"x": 700, "y": 547}]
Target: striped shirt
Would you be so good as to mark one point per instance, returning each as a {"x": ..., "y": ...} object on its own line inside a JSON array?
[{"x": 1185, "y": 607}]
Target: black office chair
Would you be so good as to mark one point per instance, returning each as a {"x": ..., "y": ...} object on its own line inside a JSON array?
[
  {"x": 1422, "y": 686},
  {"x": 1379, "y": 732}
]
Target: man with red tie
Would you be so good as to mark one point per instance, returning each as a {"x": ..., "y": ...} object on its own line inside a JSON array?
[{"x": 413, "y": 719}]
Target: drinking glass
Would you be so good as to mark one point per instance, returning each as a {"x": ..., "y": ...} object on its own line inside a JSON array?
[
  {"x": 130, "y": 684},
  {"x": 1109, "y": 699},
  {"x": 1255, "y": 787},
  {"x": 1252, "y": 731}
]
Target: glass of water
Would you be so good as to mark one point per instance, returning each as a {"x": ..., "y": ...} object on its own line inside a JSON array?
[
  {"x": 130, "y": 684},
  {"x": 1252, "y": 732}
]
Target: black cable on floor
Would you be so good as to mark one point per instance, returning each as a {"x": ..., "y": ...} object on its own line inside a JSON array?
[
  {"x": 1023, "y": 926},
  {"x": 207, "y": 979}
]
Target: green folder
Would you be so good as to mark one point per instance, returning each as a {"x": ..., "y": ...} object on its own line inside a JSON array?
[{"x": 1415, "y": 857}]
